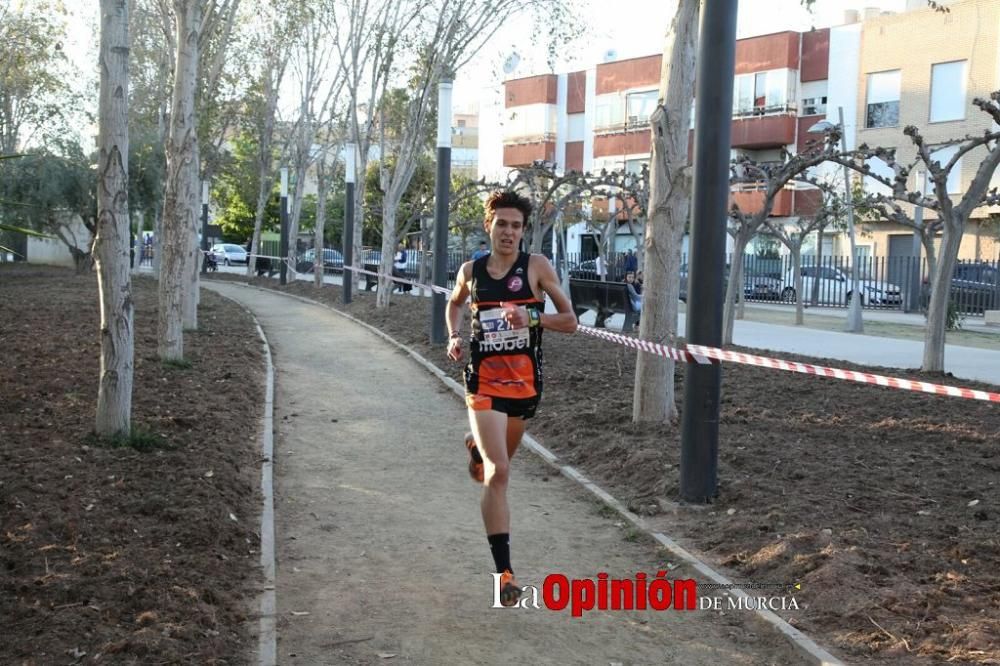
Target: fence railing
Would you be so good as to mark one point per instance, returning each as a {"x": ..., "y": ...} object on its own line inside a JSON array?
[{"x": 893, "y": 283}]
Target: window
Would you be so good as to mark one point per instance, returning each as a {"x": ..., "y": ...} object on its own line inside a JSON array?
[
  {"x": 460, "y": 122},
  {"x": 948, "y": 91},
  {"x": 883, "y": 99},
  {"x": 814, "y": 106},
  {"x": 635, "y": 166},
  {"x": 640, "y": 106},
  {"x": 762, "y": 92}
]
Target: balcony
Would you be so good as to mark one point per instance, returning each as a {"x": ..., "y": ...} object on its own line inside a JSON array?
[
  {"x": 524, "y": 154},
  {"x": 789, "y": 201},
  {"x": 764, "y": 127}
]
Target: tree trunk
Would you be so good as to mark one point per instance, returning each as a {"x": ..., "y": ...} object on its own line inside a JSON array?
[
  {"x": 117, "y": 334},
  {"x": 157, "y": 245},
  {"x": 669, "y": 202},
  {"x": 192, "y": 291},
  {"x": 322, "y": 185},
  {"x": 743, "y": 237},
  {"x": 181, "y": 192},
  {"x": 264, "y": 177},
  {"x": 388, "y": 253},
  {"x": 937, "y": 309}
]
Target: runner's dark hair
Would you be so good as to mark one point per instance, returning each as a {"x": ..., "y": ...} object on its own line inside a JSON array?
[{"x": 507, "y": 199}]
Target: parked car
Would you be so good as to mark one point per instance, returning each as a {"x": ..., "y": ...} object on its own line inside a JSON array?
[
  {"x": 755, "y": 286},
  {"x": 229, "y": 253},
  {"x": 835, "y": 287},
  {"x": 975, "y": 287},
  {"x": 587, "y": 270},
  {"x": 333, "y": 261}
]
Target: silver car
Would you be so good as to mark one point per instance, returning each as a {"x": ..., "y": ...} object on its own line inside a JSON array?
[{"x": 229, "y": 253}]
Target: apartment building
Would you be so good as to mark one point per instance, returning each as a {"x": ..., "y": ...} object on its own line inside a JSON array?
[
  {"x": 924, "y": 68},
  {"x": 882, "y": 71},
  {"x": 598, "y": 118}
]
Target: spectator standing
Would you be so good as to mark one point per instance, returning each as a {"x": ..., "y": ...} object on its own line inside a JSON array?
[
  {"x": 631, "y": 262},
  {"x": 481, "y": 252}
]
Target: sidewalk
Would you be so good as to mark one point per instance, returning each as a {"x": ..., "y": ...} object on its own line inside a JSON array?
[
  {"x": 963, "y": 362},
  {"x": 380, "y": 548}
]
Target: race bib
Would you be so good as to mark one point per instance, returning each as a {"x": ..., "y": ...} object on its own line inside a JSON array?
[{"x": 498, "y": 332}]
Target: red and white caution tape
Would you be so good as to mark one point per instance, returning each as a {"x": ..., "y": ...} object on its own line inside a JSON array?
[
  {"x": 713, "y": 355},
  {"x": 701, "y": 354}
]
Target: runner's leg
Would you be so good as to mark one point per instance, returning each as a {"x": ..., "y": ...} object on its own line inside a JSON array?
[
  {"x": 490, "y": 428},
  {"x": 515, "y": 430}
]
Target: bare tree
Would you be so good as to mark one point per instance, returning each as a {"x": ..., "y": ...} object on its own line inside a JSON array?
[
  {"x": 793, "y": 236},
  {"x": 774, "y": 177},
  {"x": 192, "y": 28},
  {"x": 952, "y": 212},
  {"x": 367, "y": 35},
  {"x": 279, "y": 26},
  {"x": 669, "y": 203},
  {"x": 182, "y": 191},
  {"x": 112, "y": 243},
  {"x": 454, "y": 33},
  {"x": 320, "y": 80}
]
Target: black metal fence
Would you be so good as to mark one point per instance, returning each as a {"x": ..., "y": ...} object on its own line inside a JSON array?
[
  {"x": 896, "y": 283},
  {"x": 891, "y": 283}
]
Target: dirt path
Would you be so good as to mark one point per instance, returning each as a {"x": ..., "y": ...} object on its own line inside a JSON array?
[{"x": 379, "y": 541}]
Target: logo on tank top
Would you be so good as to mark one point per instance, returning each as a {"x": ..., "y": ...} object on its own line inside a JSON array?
[{"x": 515, "y": 283}]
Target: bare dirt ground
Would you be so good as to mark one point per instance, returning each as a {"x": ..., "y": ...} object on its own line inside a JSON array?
[
  {"x": 379, "y": 542},
  {"x": 119, "y": 555},
  {"x": 883, "y": 504}
]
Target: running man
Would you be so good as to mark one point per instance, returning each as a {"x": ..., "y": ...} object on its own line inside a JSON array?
[{"x": 503, "y": 379}]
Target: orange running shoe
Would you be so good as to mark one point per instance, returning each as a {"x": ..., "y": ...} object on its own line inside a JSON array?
[
  {"x": 510, "y": 593},
  {"x": 475, "y": 459}
]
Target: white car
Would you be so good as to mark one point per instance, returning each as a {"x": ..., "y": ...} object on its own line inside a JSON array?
[
  {"x": 229, "y": 253},
  {"x": 835, "y": 287}
]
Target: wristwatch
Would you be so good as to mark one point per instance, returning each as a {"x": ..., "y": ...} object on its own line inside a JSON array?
[{"x": 534, "y": 318}]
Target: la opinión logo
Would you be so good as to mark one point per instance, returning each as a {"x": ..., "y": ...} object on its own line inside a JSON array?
[{"x": 559, "y": 592}]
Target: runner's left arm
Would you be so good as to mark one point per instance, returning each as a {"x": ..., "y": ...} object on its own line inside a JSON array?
[{"x": 564, "y": 320}]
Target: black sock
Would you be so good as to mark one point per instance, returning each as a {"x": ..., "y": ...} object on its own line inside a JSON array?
[{"x": 500, "y": 547}]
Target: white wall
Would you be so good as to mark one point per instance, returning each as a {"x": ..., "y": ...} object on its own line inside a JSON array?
[
  {"x": 53, "y": 251},
  {"x": 490, "y": 156},
  {"x": 842, "y": 85}
]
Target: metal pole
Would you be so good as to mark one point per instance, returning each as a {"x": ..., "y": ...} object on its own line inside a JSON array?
[
  {"x": 348, "y": 236},
  {"x": 283, "y": 245},
  {"x": 913, "y": 286},
  {"x": 443, "y": 190},
  {"x": 855, "y": 323},
  {"x": 204, "y": 225},
  {"x": 714, "y": 103}
]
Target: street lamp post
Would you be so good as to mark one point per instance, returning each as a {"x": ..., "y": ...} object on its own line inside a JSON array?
[
  {"x": 441, "y": 195},
  {"x": 349, "y": 166},
  {"x": 204, "y": 225},
  {"x": 855, "y": 322},
  {"x": 283, "y": 215}
]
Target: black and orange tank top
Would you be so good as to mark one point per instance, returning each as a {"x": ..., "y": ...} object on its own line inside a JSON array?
[{"x": 504, "y": 362}]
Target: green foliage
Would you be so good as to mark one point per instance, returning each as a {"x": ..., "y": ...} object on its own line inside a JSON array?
[
  {"x": 234, "y": 192},
  {"x": 40, "y": 190},
  {"x": 139, "y": 439},
  {"x": 35, "y": 98},
  {"x": 418, "y": 198},
  {"x": 177, "y": 364}
]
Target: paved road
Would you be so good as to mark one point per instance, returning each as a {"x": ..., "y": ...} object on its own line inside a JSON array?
[{"x": 379, "y": 542}]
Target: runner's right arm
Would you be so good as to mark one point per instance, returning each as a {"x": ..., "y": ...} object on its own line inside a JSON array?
[{"x": 453, "y": 310}]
